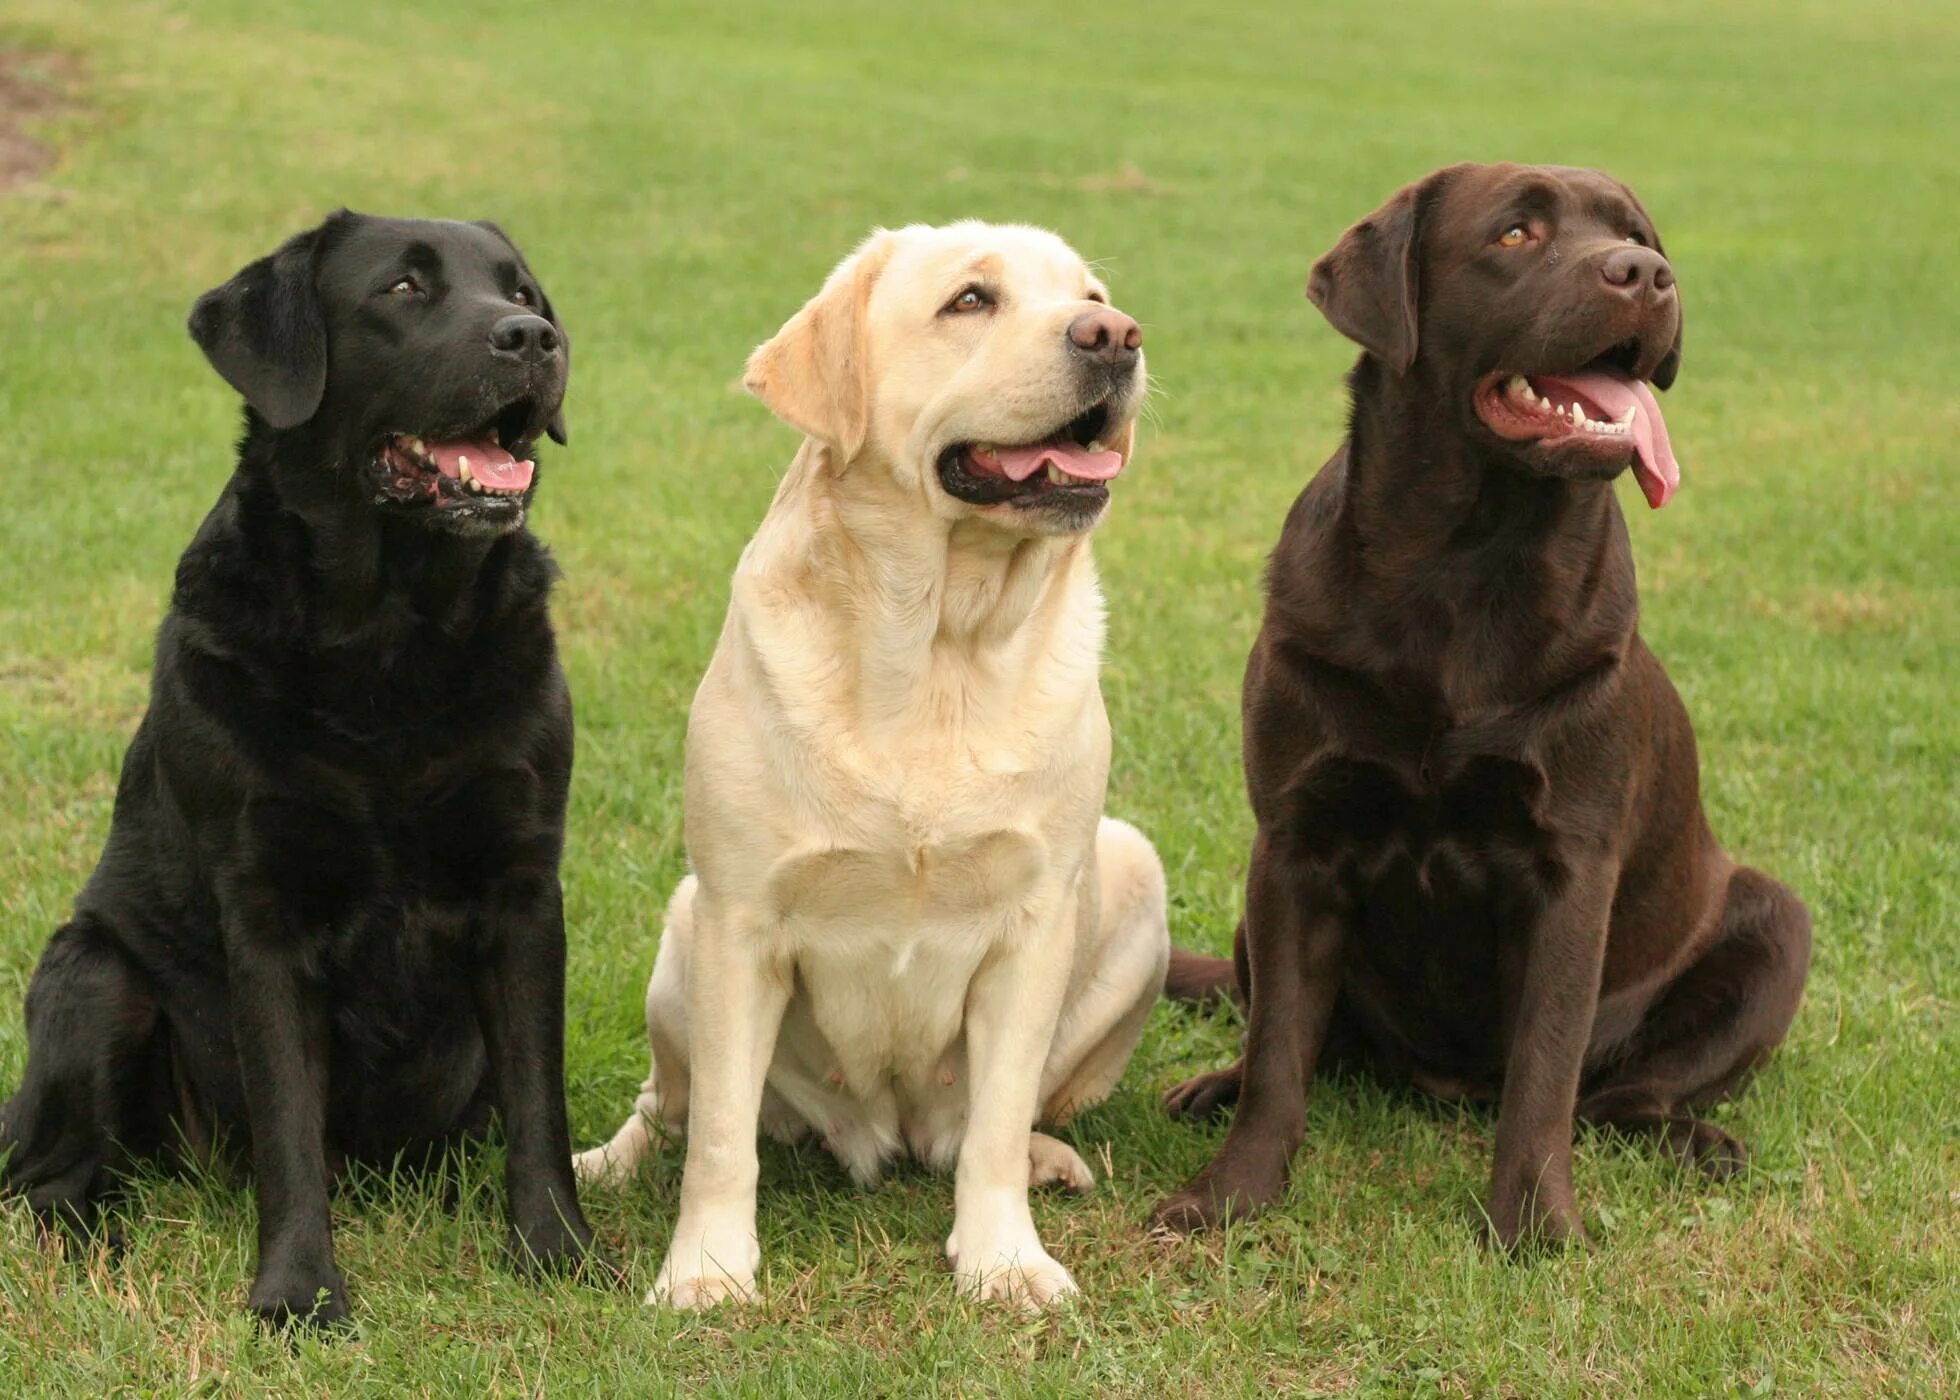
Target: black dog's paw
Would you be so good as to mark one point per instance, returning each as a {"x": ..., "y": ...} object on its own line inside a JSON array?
[
  {"x": 562, "y": 1249},
  {"x": 1205, "y": 1095},
  {"x": 307, "y": 1298}
]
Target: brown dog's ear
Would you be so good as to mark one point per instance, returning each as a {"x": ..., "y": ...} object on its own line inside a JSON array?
[
  {"x": 812, "y": 373},
  {"x": 1367, "y": 285},
  {"x": 265, "y": 331},
  {"x": 1670, "y": 365}
]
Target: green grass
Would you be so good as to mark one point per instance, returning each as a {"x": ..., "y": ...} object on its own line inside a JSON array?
[{"x": 682, "y": 176}]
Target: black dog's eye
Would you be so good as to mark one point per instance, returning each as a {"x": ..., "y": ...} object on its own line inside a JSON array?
[
  {"x": 521, "y": 297},
  {"x": 404, "y": 287},
  {"x": 970, "y": 300},
  {"x": 1513, "y": 237}
]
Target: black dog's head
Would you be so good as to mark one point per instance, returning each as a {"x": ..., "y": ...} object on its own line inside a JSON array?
[
  {"x": 419, "y": 358},
  {"x": 1534, "y": 301}
]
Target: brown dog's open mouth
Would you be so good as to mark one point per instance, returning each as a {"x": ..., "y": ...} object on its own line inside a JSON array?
[
  {"x": 491, "y": 466},
  {"x": 1068, "y": 468},
  {"x": 1600, "y": 413}
]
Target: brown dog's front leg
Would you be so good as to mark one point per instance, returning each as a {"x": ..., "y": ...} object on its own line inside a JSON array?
[
  {"x": 280, "y": 1027},
  {"x": 1531, "y": 1183},
  {"x": 1294, "y": 939}
]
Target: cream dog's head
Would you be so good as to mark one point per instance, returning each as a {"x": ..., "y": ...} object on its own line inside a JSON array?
[{"x": 981, "y": 365}]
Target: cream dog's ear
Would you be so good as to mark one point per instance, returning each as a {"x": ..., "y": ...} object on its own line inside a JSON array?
[{"x": 812, "y": 373}]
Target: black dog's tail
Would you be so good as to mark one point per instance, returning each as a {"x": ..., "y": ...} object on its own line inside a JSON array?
[{"x": 1198, "y": 979}]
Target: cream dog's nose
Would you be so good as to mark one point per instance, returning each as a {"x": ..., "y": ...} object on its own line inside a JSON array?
[{"x": 1108, "y": 335}]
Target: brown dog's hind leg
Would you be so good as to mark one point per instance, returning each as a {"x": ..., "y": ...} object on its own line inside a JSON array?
[{"x": 1719, "y": 1020}]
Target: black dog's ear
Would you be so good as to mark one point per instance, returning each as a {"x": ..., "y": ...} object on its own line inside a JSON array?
[
  {"x": 1367, "y": 286},
  {"x": 556, "y": 427},
  {"x": 266, "y": 333}
]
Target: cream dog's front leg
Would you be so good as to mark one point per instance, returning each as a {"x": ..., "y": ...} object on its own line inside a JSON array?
[
  {"x": 735, "y": 1001},
  {"x": 1012, "y": 1009}
]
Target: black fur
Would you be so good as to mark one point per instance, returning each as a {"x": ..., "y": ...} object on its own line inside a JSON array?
[{"x": 328, "y": 920}]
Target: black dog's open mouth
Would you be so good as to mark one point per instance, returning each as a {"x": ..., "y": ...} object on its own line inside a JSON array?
[
  {"x": 1067, "y": 470},
  {"x": 491, "y": 466},
  {"x": 1598, "y": 416}
]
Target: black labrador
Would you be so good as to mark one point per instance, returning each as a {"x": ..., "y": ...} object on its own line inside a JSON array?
[
  {"x": 1482, "y": 867},
  {"x": 328, "y": 920}
]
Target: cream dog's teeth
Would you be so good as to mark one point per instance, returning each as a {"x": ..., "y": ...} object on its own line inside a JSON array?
[
  {"x": 1056, "y": 475},
  {"x": 1097, "y": 446}
]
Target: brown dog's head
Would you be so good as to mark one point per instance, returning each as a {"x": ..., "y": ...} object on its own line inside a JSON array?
[{"x": 1533, "y": 300}]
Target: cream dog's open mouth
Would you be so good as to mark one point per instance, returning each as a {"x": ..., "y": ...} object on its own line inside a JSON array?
[{"x": 1066, "y": 471}]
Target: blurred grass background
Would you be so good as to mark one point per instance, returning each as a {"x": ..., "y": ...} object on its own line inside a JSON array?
[{"x": 682, "y": 175}]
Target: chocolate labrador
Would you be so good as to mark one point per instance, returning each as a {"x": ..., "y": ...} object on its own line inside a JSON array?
[
  {"x": 1482, "y": 867},
  {"x": 328, "y": 921}
]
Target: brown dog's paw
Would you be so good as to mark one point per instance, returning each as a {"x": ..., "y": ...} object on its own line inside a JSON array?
[
  {"x": 1697, "y": 1143},
  {"x": 1215, "y": 1198},
  {"x": 1532, "y": 1221},
  {"x": 1205, "y": 1095}
]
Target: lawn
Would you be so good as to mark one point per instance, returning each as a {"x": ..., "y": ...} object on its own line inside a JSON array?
[{"x": 681, "y": 176}]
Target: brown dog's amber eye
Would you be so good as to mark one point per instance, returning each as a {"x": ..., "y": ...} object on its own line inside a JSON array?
[
  {"x": 1637, "y": 237},
  {"x": 1513, "y": 236}
]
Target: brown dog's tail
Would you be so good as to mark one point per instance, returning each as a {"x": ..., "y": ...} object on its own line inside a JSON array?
[{"x": 1197, "y": 979}]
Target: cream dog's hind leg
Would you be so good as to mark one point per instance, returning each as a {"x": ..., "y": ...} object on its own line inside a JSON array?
[
  {"x": 1120, "y": 977},
  {"x": 662, "y": 1104},
  {"x": 1104, "y": 1017}
]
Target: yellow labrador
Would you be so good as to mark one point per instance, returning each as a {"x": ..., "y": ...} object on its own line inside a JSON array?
[{"x": 909, "y": 926}]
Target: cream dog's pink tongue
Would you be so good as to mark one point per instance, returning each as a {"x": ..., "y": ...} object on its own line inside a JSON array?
[
  {"x": 1020, "y": 463},
  {"x": 1653, "y": 459},
  {"x": 488, "y": 463}
]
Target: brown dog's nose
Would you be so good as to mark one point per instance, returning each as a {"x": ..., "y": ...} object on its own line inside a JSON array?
[
  {"x": 1638, "y": 271},
  {"x": 1107, "y": 335}
]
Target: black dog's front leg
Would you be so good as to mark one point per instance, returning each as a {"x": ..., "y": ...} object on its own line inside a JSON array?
[
  {"x": 280, "y": 1023},
  {"x": 520, "y": 998}
]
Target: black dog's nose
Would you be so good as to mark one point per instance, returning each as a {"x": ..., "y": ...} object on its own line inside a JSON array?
[
  {"x": 528, "y": 337},
  {"x": 1637, "y": 271},
  {"x": 1107, "y": 335}
]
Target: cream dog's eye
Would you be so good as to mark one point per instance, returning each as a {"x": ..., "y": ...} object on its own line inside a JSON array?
[
  {"x": 1513, "y": 236},
  {"x": 972, "y": 299}
]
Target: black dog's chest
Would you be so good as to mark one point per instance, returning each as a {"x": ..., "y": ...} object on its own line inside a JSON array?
[{"x": 1441, "y": 869}]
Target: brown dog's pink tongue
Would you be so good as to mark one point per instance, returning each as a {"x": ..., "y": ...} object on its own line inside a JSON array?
[
  {"x": 1653, "y": 459},
  {"x": 488, "y": 463},
  {"x": 1020, "y": 463}
]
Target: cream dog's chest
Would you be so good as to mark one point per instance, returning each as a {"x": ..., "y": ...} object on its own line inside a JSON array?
[{"x": 915, "y": 863}]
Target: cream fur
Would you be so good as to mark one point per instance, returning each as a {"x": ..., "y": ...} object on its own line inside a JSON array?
[{"x": 909, "y": 929}]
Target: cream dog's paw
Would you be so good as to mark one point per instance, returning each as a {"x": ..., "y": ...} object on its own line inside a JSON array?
[
  {"x": 705, "y": 1266},
  {"x": 1053, "y": 1162},
  {"x": 1017, "y": 1271}
]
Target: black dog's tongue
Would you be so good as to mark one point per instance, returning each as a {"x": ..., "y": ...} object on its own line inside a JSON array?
[{"x": 485, "y": 461}]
